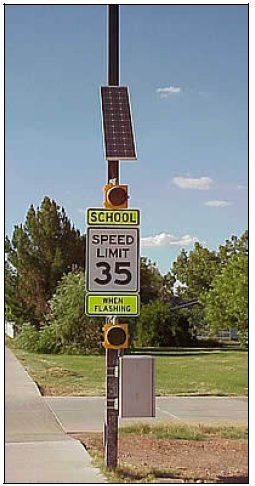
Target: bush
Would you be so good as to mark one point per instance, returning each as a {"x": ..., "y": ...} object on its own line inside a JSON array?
[
  {"x": 35, "y": 341},
  {"x": 158, "y": 325},
  {"x": 29, "y": 338},
  {"x": 72, "y": 331},
  {"x": 49, "y": 341},
  {"x": 69, "y": 329}
]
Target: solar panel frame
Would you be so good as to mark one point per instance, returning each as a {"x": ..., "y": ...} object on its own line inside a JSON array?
[{"x": 119, "y": 140}]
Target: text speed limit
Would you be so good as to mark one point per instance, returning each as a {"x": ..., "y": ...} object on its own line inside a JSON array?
[{"x": 112, "y": 260}]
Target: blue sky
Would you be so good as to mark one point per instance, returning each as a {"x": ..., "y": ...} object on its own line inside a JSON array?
[{"x": 186, "y": 68}]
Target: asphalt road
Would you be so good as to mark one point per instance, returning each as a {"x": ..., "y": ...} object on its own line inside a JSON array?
[{"x": 80, "y": 414}]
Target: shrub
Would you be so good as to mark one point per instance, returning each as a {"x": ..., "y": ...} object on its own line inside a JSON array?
[
  {"x": 29, "y": 338},
  {"x": 49, "y": 341},
  {"x": 73, "y": 332},
  {"x": 158, "y": 325}
]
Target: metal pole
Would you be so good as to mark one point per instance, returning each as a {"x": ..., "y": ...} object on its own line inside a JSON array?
[
  {"x": 112, "y": 355},
  {"x": 113, "y": 70},
  {"x": 113, "y": 45}
]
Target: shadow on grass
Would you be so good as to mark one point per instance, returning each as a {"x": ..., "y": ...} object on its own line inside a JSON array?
[
  {"x": 233, "y": 479},
  {"x": 189, "y": 351},
  {"x": 126, "y": 473},
  {"x": 177, "y": 354}
]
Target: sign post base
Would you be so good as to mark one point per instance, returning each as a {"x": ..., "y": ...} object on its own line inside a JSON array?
[{"x": 112, "y": 412}]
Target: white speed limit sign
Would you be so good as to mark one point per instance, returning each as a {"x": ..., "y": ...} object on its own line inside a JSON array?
[{"x": 112, "y": 259}]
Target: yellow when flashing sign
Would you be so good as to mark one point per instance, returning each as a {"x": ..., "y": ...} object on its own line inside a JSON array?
[
  {"x": 112, "y": 305},
  {"x": 108, "y": 217}
]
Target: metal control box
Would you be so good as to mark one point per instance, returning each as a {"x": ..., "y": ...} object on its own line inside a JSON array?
[{"x": 137, "y": 386}]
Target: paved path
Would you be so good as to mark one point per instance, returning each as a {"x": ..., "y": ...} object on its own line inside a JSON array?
[
  {"x": 79, "y": 414},
  {"x": 37, "y": 449}
]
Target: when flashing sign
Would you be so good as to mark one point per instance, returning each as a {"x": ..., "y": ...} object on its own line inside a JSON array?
[
  {"x": 106, "y": 305},
  {"x": 108, "y": 217}
]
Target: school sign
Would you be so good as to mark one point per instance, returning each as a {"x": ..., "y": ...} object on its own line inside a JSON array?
[{"x": 112, "y": 268}]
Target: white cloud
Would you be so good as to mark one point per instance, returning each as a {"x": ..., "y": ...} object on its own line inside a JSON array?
[
  {"x": 168, "y": 91},
  {"x": 165, "y": 240},
  {"x": 82, "y": 211},
  {"x": 218, "y": 204},
  {"x": 200, "y": 183}
]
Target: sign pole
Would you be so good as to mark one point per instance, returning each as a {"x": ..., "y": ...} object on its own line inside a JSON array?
[
  {"x": 113, "y": 70},
  {"x": 112, "y": 355}
]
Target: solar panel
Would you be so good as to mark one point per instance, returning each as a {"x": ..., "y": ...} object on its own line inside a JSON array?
[{"x": 117, "y": 123}]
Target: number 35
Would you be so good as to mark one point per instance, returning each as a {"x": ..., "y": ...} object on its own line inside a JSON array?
[{"x": 119, "y": 269}]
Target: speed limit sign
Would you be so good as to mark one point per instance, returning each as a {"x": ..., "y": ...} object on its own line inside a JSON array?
[{"x": 112, "y": 259}]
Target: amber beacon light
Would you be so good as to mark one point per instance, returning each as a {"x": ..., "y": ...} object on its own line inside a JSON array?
[
  {"x": 115, "y": 196},
  {"x": 115, "y": 336}
]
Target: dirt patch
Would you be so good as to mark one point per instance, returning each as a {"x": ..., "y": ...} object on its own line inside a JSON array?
[
  {"x": 61, "y": 372},
  {"x": 213, "y": 460}
]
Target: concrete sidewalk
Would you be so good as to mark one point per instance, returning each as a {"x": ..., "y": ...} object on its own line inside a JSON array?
[
  {"x": 86, "y": 414},
  {"x": 37, "y": 449}
]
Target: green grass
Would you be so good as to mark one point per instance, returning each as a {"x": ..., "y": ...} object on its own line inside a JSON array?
[
  {"x": 62, "y": 374},
  {"x": 132, "y": 474},
  {"x": 223, "y": 373},
  {"x": 219, "y": 373},
  {"x": 187, "y": 432}
]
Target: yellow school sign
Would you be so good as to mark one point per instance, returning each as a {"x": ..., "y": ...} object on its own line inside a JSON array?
[{"x": 108, "y": 217}]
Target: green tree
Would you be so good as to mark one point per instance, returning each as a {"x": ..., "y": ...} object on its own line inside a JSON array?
[
  {"x": 18, "y": 312},
  {"x": 10, "y": 288},
  {"x": 73, "y": 329},
  {"x": 40, "y": 252},
  {"x": 195, "y": 271},
  {"x": 226, "y": 304},
  {"x": 151, "y": 281},
  {"x": 233, "y": 246},
  {"x": 68, "y": 330},
  {"x": 159, "y": 325}
]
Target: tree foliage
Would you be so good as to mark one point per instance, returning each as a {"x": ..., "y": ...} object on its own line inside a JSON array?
[
  {"x": 232, "y": 247},
  {"x": 38, "y": 254},
  {"x": 151, "y": 281},
  {"x": 158, "y": 325},
  {"x": 219, "y": 280},
  {"x": 73, "y": 328},
  {"x": 44, "y": 283},
  {"x": 226, "y": 304},
  {"x": 69, "y": 329},
  {"x": 195, "y": 271}
]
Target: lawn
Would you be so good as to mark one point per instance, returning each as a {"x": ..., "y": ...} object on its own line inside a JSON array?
[
  {"x": 201, "y": 373},
  {"x": 223, "y": 373}
]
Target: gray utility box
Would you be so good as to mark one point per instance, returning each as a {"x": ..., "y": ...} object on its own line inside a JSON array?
[{"x": 137, "y": 386}]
